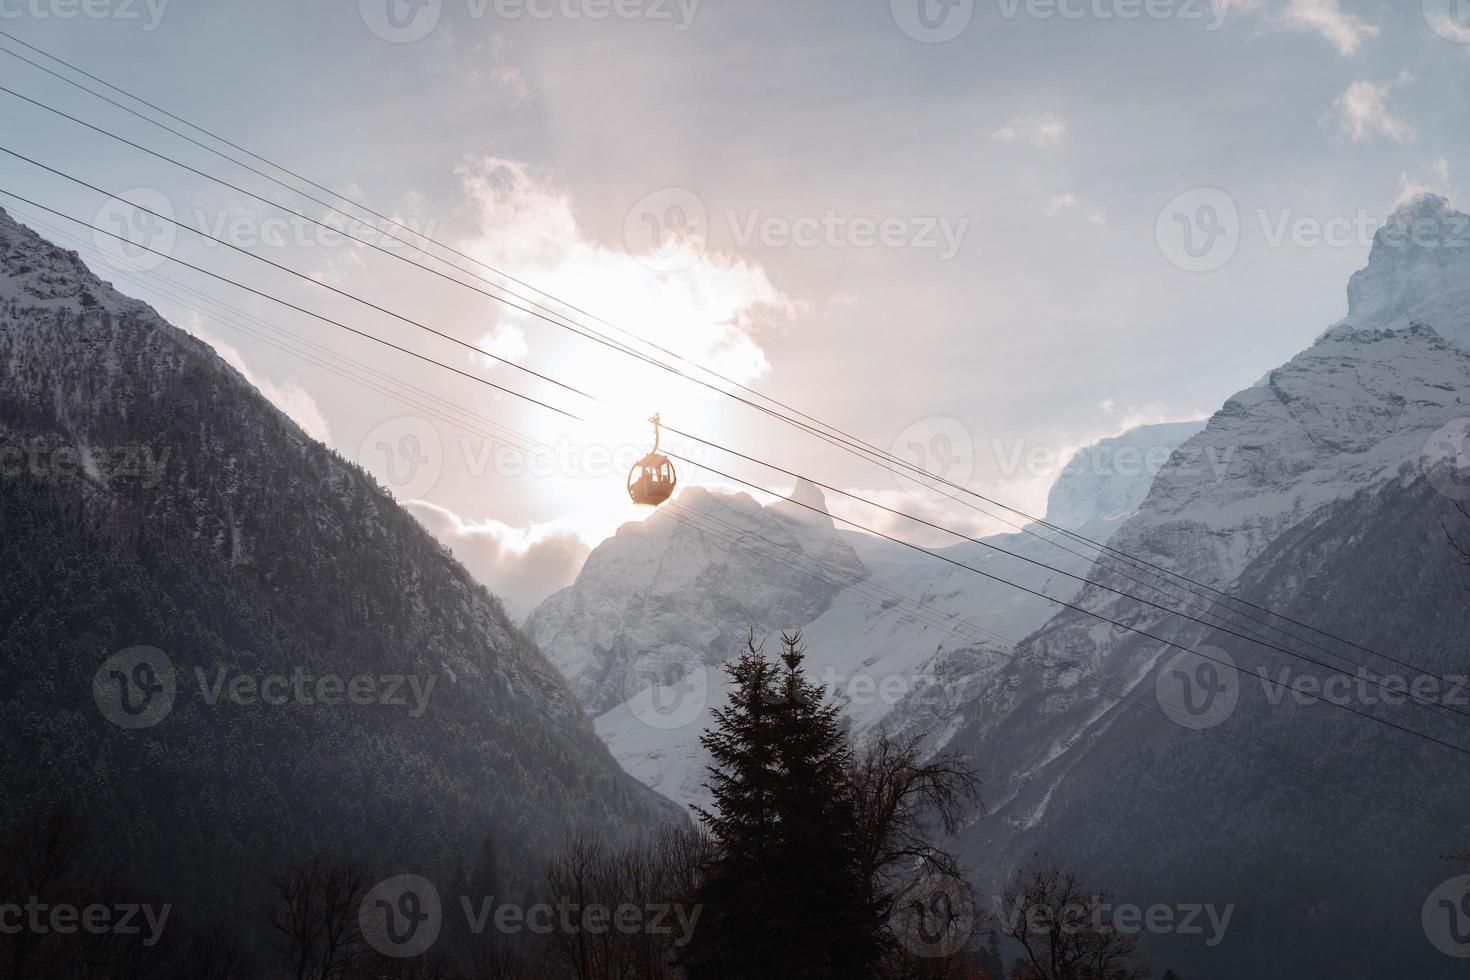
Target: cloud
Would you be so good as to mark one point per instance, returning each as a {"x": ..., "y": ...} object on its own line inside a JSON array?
[
  {"x": 1345, "y": 31},
  {"x": 1067, "y": 201},
  {"x": 520, "y": 565},
  {"x": 505, "y": 343},
  {"x": 1362, "y": 113},
  {"x": 507, "y": 76},
  {"x": 1059, "y": 203},
  {"x": 290, "y": 398},
  {"x": 1045, "y": 130},
  {"x": 1437, "y": 182},
  {"x": 710, "y": 308}
]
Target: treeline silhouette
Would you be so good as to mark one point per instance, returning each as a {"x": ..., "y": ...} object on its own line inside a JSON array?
[{"x": 815, "y": 861}]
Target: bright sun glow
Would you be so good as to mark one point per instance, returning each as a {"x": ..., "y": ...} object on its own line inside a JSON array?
[{"x": 703, "y": 306}]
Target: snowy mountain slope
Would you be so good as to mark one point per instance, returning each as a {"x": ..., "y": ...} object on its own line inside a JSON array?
[
  {"x": 1418, "y": 270},
  {"x": 150, "y": 497},
  {"x": 661, "y": 591},
  {"x": 895, "y": 635},
  {"x": 1313, "y": 492}
]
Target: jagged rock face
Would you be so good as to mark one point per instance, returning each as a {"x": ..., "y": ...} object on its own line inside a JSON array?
[
  {"x": 897, "y": 637},
  {"x": 1419, "y": 269},
  {"x": 1354, "y": 410},
  {"x": 681, "y": 588},
  {"x": 1106, "y": 482},
  {"x": 150, "y": 496},
  {"x": 1321, "y": 493}
]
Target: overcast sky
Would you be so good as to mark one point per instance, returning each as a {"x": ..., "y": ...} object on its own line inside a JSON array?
[{"x": 956, "y": 230}]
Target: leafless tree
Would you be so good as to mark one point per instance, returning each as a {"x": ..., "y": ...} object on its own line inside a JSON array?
[
  {"x": 216, "y": 954},
  {"x": 312, "y": 915},
  {"x": 905, "y": 801},
  {"x": 639, "y": 886},
  {"x": 39, "y": 859},
  {"x": 583, "y": 876},
  {"x": 1065, "y": 931}
]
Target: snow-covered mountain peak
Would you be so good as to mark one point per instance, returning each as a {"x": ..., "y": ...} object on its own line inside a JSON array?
[
  {"x": 37, "y": 273},
  {"x": 806, "y": 505},
  {"x": 1418, "y": 271},
  {"x": 675, "y": 596},
  {"x": 1353, "y": 411},
  {"x": 684, "y": 586},
  {"x": 1105, "y": 482}
]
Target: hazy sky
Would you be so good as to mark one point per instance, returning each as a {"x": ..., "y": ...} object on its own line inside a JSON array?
[{"x": 953, "y": 228}]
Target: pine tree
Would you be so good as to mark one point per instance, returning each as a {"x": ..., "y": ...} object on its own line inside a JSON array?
[
  {"x": 742, "y": 823},
  {"x": 782, "y": 894},
  {"x": 817, "y": 831},
  {"x": 991, "y": 958}
]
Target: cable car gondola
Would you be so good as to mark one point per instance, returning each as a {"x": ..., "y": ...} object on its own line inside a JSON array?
[{"x": 652, "y": 479}]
